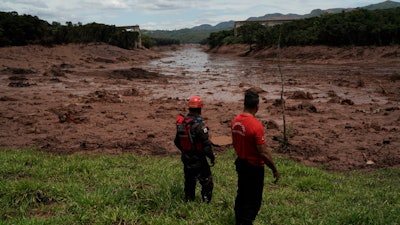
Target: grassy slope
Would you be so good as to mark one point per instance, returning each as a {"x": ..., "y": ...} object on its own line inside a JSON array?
[{"x": 38, "y": 188}]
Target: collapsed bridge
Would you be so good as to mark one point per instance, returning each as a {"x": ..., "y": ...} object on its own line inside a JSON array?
[{"x": 135, "y": 28}]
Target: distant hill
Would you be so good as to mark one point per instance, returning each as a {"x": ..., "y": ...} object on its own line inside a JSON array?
[
  {"x": 275, "y": 16},
  {"x": 383, "y": 5},
  {"x": 199, "y": 33},
  {"x": 219, "y": 26}
]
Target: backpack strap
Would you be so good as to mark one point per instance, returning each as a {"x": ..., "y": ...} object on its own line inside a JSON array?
[{"x": 185, "y": 132}]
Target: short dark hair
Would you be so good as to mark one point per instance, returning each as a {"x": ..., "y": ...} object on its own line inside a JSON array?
[
  {"x": 195, "y": 110},
  {"x": 251, "y": 99}
]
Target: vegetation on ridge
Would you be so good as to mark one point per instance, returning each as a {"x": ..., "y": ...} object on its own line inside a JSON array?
[
  {"x": 359, "y": 27},
  {"x": 17, "y": 30}
]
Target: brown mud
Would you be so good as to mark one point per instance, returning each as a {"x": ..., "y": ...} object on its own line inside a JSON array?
[{"x": 342, "y": 104}]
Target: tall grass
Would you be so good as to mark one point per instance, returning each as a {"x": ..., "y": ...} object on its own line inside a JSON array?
[{"x": 39, "y": 188}]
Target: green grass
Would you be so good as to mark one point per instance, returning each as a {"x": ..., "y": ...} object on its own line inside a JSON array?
[{"x": 39, "y": 188}]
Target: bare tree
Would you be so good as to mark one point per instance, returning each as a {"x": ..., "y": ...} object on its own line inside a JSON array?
[{"x": 285, "y": 140}]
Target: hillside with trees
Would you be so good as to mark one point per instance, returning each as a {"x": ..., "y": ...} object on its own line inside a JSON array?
[
  {"x": 18, "y": 30},
  {"x": 183, "y": 35},
  {"x": 359, "y": 27}
]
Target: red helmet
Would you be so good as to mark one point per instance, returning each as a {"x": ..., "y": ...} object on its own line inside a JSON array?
[{"x": 195, "y": 102}]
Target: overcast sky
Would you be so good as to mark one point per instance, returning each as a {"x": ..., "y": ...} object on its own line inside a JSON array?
[{"x": 166, "y": 14}]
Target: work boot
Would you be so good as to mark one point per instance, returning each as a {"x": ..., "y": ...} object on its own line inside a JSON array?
[
  {"x": 189, "y": 198},
  {"x": 206, "y": 199}
]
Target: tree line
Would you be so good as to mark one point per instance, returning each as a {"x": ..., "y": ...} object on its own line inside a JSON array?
[
  {"x": 17, "y": 30},
  {"x": 359, "y": 27},
  {"x": 183, "y": 35},
  {"x": 149, "y": 42}
]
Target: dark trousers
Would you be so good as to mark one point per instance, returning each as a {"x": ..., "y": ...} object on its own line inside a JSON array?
[
  {"x": 203, "y": 175},
  {"x": 249, "y": 192}
]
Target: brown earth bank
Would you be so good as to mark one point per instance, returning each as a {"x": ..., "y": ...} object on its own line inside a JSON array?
[{"x": 342, "y": 104}]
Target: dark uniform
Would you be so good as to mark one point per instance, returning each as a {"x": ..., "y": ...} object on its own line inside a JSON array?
[{"x": 193, "y": 142}]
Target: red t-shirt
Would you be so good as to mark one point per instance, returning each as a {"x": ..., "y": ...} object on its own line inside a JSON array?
[{"x": 247, "y": 133}]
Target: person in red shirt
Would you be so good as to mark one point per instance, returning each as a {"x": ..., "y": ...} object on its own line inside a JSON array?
[{"x": 252, "y": 156}]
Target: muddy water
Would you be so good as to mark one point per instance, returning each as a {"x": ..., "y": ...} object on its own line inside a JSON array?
[
  {"x": 212, "y": 76},
  {"x": 216, "y": 77}
]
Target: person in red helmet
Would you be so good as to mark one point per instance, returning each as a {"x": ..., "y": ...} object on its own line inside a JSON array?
[{"x": 192, "y": 140}]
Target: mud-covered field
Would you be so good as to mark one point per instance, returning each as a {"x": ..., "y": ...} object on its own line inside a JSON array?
[{"x": 342, "y": 104}]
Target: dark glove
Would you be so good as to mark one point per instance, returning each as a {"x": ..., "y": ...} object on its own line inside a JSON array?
[
  {"x": 276, "y": 176},
  {"x": 209, "y": 153},
  {"x": 212, "y": 162}
]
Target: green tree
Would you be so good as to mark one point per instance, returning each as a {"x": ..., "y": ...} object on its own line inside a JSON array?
[
  {"x": 216, "y": 38},
  {"x": 250, "y": 33}
]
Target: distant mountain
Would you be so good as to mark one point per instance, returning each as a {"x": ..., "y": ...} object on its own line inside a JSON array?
[
  {"x": 383, "y": 5},
  {"x": 224, "y": 25},
  {"x": 203, "y": 27},
  {"x": 313, "y": 13},
  {"x": 220, "y": 26},
  {"x": 275, "y": 16}
]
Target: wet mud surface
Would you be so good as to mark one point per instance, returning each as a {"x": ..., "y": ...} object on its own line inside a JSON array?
[{"x": 342, "y": 105}]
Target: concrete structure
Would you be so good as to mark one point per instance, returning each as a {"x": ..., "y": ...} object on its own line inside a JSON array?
[
  {"x": 270, "y": 23},
  {"x": 134, "y": 28}
]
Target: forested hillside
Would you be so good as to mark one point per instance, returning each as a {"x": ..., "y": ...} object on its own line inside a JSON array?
[
  {"x": 26, "y": 29},
  {"x": 359, "y": 27},
  {"x": 183, "y": 35}
]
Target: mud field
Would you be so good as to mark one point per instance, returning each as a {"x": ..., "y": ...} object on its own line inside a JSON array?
[{"x": 342, "y": 104}]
